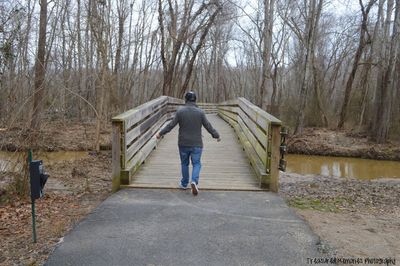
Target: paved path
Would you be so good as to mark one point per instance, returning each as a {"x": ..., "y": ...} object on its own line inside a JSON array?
[
  {"x": 224, "y": 165},
  {"x": 171, "y": 227}
]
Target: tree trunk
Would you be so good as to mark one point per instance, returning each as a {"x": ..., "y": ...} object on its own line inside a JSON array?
[
  {"x": 79, "y": 55},
  {"x": 274, "y": 109},
  {"x": 317, "y": 80},
  {"x": 366, "y": 79},
  {"x": 196, "y": 51},
  {"x": 117, "y": 88},
  {"x": 99, "y": 29},
  {"x": 40, "y": 70},
  {"x": 266, "y": 80},
  {"x": 389, "y": 80},
  {"x": 357, "y": 57},
  {"x": 308, "y": 46},
  {"x": 317, "y": 91}
]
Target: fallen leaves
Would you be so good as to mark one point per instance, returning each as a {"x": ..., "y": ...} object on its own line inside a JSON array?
[{"x": 56, "y": 213}]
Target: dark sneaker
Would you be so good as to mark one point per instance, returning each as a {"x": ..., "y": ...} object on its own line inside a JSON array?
[{"x": 195, "y": 189}]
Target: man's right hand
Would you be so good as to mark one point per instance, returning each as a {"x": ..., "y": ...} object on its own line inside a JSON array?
[
  {"x": 158, "y": 136},
  {"x": 219, "y": 139}
]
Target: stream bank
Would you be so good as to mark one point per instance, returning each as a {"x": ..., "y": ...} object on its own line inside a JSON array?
[
  {"x": 326, "y": 142},
  {"x": 55, "y": 135}
]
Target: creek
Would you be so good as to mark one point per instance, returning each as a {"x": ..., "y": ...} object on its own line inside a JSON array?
[
  {"x": 13, "y": 161},
  {"x": 342, "y": 166}
]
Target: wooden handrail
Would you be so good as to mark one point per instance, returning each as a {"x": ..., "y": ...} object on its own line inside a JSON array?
[
  {"x": 259, "y": 134},
  {"x": 209, "y": 108}
]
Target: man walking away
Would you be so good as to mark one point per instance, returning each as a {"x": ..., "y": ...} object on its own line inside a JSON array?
[{"x": 190, "y": 119}]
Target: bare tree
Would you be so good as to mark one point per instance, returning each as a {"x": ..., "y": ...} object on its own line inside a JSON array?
[
  {"x": 307, "y": 39},
  {"x": 361, "y": 45},
  {"x": 40, "y": 65},
  {"x": 99, "y": 29},
  {"x": 190, "y": 34},
  {"x": 389, "y": 79},
  {"x": 266, "y": 80}
]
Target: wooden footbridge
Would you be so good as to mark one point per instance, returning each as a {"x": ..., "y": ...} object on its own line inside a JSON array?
[{"x": 247, "y": 158}]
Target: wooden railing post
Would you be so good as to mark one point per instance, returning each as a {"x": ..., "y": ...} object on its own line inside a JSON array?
[
  {"x": 275, "y": 156},
  {"x": 117, "y": 128}
]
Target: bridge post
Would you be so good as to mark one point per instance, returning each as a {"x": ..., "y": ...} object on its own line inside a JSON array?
[
  {"x": 275, "y": 153},
  {"x": 116, "y": 154}
]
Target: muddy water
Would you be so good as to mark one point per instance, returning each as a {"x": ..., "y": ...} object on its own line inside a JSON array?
[
  {"x": 13, "y": 161},
  {"x": 342, "y": 167}
]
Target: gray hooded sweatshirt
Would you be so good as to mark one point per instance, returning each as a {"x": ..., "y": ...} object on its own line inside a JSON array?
[{"x": 190, "y": 119}]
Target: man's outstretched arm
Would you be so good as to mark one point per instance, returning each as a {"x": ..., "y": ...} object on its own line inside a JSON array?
[
  {"x": 214, "y": 133},
  {"x": 168, "y": 127}
]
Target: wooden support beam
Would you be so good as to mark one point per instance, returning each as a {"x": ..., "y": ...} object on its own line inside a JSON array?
[
  {"x": 116, "y": 154},
  {"x": 229, "y": 114},
  {"x": 257, "y": 114},
  {"x": 232, "y": 109},
  {"x": 275, "y": 156},
  {"x": 138, "y": 144},
  {"x": 135, "y": 115},
  {"x": 253, "y": 158},
  {"x": 256, "y": 130},
  {"x": 260, "y": 150},
  {"x": 172, "y": 100},
  {"x": 227, "y": 119},
  {"x": 144, "y": 125}
]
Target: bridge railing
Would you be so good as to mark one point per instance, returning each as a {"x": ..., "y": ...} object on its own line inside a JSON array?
[
  {"x": 133, "y": 136},
  {"x": 259, "y": 134},
  {"x": 209, "y": 108}
]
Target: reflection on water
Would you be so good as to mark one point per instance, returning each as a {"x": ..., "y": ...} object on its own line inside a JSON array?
[
  {"x": 342, "y": 166},
  {"x": 13, "y": 161}
]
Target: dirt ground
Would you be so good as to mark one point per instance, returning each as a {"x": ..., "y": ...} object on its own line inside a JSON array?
[
  {"x": 73, "y": 190},
  {"x": 357, "y": 234},
  {"x": 321, "y": 141},
  {"x": 353, "y": 218}
]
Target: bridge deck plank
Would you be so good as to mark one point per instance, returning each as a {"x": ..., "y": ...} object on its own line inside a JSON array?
[{"x": 224, "y": 165}]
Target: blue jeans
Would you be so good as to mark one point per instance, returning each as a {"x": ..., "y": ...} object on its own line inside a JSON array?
[{"x": 194, "y": 153}]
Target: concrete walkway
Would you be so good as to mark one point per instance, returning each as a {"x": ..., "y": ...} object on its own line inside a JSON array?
[{"x": 171, "y": 227}]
